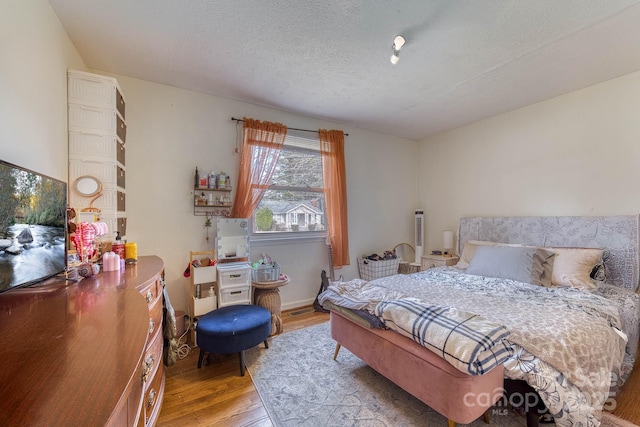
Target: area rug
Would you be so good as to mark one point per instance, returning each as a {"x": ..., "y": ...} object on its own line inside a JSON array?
[{"x": 301, "y": 385}]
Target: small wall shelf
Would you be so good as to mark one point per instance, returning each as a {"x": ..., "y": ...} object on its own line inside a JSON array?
[{"x": 203, "y": 206}]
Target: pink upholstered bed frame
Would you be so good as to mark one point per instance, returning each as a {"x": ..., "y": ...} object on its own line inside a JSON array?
[{"x": 419, "y": 371}]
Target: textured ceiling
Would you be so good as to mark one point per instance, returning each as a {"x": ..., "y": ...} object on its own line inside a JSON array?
[{"x": 464, "y": 60}]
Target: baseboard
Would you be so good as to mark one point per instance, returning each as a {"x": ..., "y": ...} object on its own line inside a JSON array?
[{"x": 297, "y": 304}]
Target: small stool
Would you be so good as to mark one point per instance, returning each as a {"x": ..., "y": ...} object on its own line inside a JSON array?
[{"x": 233, "y": 329}]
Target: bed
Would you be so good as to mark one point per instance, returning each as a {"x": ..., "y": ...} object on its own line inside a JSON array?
[{"x": 572, "y": 340}]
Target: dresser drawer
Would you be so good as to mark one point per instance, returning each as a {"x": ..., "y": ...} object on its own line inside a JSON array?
[
  {"x": 152, "y": 398},
  {"x": 234, "y": 296},
  {"x": 432, "y": 261},
  {"x": 155, "y": 316},
  {"x": 152, "y": 292},
  {"x": 108, "y": 172},
  {"x": 95, "y": 90},
  {"x": 152, "y": 357},
  {"x": 111, "y": 199},
  {"x": 88, "y": 119},
  {"x": 93, "y": 146}
]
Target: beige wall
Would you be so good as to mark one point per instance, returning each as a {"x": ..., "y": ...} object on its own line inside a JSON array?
[
  {"x": 36, "y": 53},
  {"x": 170, "y": 131},
  {"x": 577, "y": 154}
]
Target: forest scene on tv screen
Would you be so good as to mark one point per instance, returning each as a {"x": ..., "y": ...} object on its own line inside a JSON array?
[{"x": 32, "y": 226}]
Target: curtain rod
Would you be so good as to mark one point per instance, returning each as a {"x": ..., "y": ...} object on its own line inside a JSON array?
[{"x": 301, "y": 130}]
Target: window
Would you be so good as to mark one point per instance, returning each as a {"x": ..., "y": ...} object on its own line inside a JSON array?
[{"x": 294, "y": 201}]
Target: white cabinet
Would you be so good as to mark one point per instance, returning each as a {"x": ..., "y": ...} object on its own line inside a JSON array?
[
  {"x": 97, "y": 135},
  {"x": 234, "y": 284},
  {"x": 203, "y": 298},
  {"x": 234, "y": 272}
]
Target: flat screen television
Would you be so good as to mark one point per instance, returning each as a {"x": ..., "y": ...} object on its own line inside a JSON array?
[{"x": 33, "y": 218}]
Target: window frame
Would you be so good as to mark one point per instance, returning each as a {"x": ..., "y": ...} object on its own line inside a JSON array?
[{"x": 285, "y": 237}]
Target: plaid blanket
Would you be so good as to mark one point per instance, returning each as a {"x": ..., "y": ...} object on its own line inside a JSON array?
[{"x": 469, "y": 342}]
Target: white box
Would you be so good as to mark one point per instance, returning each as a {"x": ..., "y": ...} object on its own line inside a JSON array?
[
  {"x": 88, "y": 119},
  {"x": 204, "y": 305},
  {"x": 230, "y": 275},
  {"x": 95, "y": 90},
  {"x": 111, "y": 199},
  {"x": 92, "y": 146},
  {"x": 109, "y": 173},
  {"x": 205, "y": 274},
  {"x": 234, "y": 295}
]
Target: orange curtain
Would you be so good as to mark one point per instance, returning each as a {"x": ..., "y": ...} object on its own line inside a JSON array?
[
  {"x": 335, "y": 194},
  {"x": 261, "y": 146}
]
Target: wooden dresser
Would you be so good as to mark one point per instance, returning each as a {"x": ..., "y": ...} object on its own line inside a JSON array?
[{"x": 88, "y": 353}]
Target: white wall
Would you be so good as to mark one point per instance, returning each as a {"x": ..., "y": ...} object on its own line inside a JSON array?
[
  {"x": 36, "y": 53},
  {"x": 577, "y": 154},
  {"x": 170, "y": 131}
]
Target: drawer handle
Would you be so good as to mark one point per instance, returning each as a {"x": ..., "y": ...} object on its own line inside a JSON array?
[
  {"x": 149, "y": 296},
  {"x": 151, "y": 399},
  {"x": 147, "y": 368},
  {"x": 234, "y": 276},
  {"x": 152, "y": 325},
  {"x": 84, "y": 107},
  {"x": 235, "y": 292}
]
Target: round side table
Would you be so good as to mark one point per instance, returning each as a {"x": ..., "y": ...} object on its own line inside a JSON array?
[{"x": 267, "y": 295}]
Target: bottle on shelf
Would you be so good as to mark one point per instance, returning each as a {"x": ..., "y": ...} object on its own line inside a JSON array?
[
  {"x": 204, "y": 180},
  {"x": 222, "y": 180},
  {"x": 196, "y": 182},
  {"x": 212, "y": 180}
]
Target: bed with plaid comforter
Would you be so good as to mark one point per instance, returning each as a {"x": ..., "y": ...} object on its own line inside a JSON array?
[{"x": 563, "y": 342}]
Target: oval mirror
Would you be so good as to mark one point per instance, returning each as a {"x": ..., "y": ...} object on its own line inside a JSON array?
[{"x": 87, "y": 185}]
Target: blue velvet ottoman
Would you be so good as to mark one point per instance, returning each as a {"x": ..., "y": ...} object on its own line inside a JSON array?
[{"x": 233, "y": 329}]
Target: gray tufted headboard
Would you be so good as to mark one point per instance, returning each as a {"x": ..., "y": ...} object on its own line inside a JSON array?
[{"x": 617, "y": 234}]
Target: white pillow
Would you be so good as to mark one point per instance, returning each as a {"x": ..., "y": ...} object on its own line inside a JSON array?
[{"x": 572, "y": 267}]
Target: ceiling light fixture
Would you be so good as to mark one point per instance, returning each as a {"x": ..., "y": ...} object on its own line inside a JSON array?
[{"x": 398, "y": 42}]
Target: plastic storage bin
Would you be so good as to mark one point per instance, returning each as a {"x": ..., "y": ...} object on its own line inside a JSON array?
[
  {"x": 233, "y": 275},
  {"x": 235, "y": 295},
  {"x": 266, "y": 273},
  {"x": 97, "y": 91}
]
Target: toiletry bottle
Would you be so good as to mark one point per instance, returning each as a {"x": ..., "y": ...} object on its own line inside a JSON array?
[
  {"x": 196, "y": 181},
  {"x": 212, "y": 179},
  {"x": 118, "y": 245}
]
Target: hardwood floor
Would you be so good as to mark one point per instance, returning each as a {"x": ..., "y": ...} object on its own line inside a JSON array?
[{"x": 218, "y": 396}]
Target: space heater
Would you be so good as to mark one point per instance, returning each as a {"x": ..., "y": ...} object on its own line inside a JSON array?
[{"x": 419, "y": 224}]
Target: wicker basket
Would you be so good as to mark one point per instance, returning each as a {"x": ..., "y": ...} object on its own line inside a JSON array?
[{"x": 370, "y": 270}]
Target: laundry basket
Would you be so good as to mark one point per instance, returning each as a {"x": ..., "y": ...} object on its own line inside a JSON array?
[{"x": 370, "y": 270}]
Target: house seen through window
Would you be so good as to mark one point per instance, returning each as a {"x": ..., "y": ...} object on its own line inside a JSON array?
[{"x": 294, "y": 201}]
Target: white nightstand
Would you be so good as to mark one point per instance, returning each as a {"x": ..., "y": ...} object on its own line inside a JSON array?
[{"x": 430, "y": 261}]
